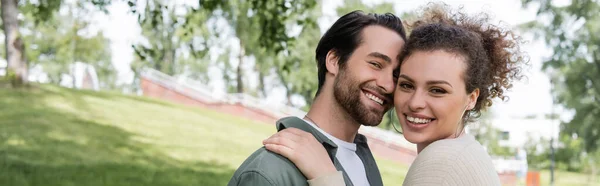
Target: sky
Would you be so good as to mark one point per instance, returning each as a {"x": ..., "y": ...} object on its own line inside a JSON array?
[{"x": 529, "y": 97}]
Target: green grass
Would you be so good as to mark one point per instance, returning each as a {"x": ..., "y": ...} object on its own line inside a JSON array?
[
  {"x": 55, "y": 136},
  {"x": 392, "y": 173},
  {"x": 564, "y": 178}
]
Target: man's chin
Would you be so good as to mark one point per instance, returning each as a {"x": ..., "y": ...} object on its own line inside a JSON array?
[
  {"x": 371, "y": 125},
  {"x": 372, "y": 121}
]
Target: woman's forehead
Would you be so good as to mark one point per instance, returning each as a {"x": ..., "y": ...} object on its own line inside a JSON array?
[{"x": 433, "y": 65}]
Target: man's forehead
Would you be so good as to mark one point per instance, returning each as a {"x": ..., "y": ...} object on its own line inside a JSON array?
[{"x": 380, "y": 33}]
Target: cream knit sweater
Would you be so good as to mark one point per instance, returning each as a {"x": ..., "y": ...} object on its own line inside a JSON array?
[{"x": 460, "y": 161}]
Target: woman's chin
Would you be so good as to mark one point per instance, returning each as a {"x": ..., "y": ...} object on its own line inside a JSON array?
[{"x": 412, "y": 137}]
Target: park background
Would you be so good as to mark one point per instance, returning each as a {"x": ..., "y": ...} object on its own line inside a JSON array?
[{"x": 158, "y": 92}]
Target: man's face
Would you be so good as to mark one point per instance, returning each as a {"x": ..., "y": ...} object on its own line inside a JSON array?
[{"x": 365, "y": 83}]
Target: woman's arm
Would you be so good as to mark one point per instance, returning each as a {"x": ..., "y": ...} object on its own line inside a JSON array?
[
  {"x": 307, "y": 154},
  {"x": 332, "y": 179}
]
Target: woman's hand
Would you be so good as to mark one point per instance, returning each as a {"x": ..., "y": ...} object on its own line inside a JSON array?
[{"x": 303, "y": 149}]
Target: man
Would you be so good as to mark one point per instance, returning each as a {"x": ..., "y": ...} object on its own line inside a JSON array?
[{"x": 357, "y": 72}]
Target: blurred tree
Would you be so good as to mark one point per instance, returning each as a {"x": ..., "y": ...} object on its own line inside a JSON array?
[
  {"x": 351, "y": 5},
  {"x": 296, "y": 68},
  {"x": 569, "y": 156},
  {"x": 538, "y": 153},
  {"x": 15, "y": 48},
  {"x": 246, "y": 29},
  {"x": 159, "y": 25},
  {"x": 489, "y": 136},
  {"x": 62, "y": 39},
  {"x": 259, "y": 25},
  {"x": 572, "y": 32},
  {"x": 249, "y": 25}
]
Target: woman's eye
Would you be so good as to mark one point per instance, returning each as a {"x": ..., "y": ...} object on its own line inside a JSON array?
[
  {"x": 438, "y": 91},
  {"x": 406, "y": 86}
]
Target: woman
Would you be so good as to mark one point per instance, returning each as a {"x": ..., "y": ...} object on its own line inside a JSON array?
[{"x": 452, "y": 67}]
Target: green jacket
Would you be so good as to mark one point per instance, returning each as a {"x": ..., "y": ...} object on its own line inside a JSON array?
[{"x": 267, "y": 168}]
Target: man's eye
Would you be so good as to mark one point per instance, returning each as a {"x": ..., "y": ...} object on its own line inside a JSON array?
[{"x": 375, "y": 64}]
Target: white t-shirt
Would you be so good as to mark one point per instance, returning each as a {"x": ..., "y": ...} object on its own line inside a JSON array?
[{"x": 346, "y": 155}]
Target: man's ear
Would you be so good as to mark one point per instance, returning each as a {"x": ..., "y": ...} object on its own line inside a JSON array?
[
  {"x": 331, "y": 62},
  {"x": 473, "y": 99}
]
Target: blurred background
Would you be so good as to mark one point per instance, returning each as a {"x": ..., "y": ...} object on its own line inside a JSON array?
[{"x": 180, "y": 92}]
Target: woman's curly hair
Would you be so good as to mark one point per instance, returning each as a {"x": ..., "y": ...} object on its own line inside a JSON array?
[{"x": 493, "y": 54}]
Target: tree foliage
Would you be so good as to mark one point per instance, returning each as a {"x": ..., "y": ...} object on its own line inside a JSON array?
[
  {"x": 64, "y": 38},
  {"x": 572, "y": 32},
  {"x": 39, "y": 12},
  {"x": 261, "y": 28},
  {"x": 296, "y": 69},
  {"x": 352, "y": 5}
]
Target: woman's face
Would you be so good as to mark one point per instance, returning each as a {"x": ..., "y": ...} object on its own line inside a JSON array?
[{"x": 431, "y": 98}]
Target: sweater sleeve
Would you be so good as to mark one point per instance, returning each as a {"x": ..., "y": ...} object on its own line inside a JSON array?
[{"x": 333, "y": 179}]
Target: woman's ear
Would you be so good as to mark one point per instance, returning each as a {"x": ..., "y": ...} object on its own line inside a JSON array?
[
  {"x": 473, "y": 99},
  {"x": 331, "y": 62}
]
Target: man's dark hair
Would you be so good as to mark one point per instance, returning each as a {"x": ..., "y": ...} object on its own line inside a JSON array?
[{"x": 344, "y": 36}]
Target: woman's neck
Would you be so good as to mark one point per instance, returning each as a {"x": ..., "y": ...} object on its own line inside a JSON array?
[{"x": 421, "y": 146}]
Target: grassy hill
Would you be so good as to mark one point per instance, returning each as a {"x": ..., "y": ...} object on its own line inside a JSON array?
[{"x": 55, "y": 136}]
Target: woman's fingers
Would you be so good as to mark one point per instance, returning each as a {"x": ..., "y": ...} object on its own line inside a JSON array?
[
  {"x": 279, "y": 149},
  {"x": 297, "y": 132},
  {"x": 292, "y": 134},
  {"x": 283, "y": 141}
]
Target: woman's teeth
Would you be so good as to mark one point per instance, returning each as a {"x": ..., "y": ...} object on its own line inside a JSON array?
[{"x": 418, "y": 120}]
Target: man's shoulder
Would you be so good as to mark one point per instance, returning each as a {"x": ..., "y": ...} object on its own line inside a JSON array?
[
  {"x": 265, "y": 159},
  {"x": 269, "y": 167}
]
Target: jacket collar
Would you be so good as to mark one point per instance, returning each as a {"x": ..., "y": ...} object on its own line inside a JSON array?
[
  {"x": 302, "y": 125},
  {"x": 296, "y": 122}
]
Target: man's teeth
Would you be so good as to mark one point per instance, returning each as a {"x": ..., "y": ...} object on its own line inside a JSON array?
[
  {"x": 374, "y": 98},
  {"x": 417, "y": 120}
]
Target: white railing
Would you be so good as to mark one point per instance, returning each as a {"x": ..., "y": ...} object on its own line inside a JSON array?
[
  {"x": 198, "y": 90},
  {"x": 183, "y": 85},
  {"x": 503, "y": 165},
  {"x": 278, "y": 110}
]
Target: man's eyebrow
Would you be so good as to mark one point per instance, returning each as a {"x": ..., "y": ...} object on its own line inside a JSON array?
[{"x": 381, "y": 56}]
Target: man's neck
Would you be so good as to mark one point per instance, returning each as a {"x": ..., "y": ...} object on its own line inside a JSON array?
[{"x": 328, "y": 115}]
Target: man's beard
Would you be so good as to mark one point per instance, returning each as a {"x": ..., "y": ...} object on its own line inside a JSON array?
[{"x": 346, "y": 91}]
